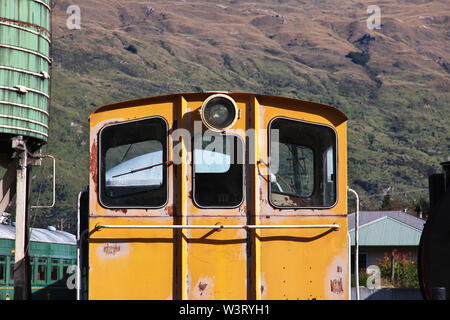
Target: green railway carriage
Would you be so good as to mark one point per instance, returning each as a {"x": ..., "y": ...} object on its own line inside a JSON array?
[{"x": 52, "y": 259}]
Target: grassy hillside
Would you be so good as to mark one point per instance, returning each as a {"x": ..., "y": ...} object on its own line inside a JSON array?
[{"x": 393, "y": 82}]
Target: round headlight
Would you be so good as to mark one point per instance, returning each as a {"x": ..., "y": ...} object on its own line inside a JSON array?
[{"x": 219, "y": 112}]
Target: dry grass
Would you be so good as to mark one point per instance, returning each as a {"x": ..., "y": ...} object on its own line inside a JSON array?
[{"x": 293, "y": 48}]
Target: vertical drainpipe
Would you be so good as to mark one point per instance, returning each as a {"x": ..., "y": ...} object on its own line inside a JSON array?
[
  {"x": 349, "y": 280},
  {"x": 79, "y": 243},
  {"x": 356, "y": 242}
]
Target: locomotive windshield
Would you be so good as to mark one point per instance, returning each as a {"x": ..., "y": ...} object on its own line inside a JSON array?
[
  {"x": 132, "y": 167},
  {"x": 303, "y": 164},
  {"x": 218, "y": 171}
]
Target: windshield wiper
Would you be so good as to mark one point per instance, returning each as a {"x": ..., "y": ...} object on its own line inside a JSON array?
[
  {"x": 276, "y": 174},
  {"x": 168, "y": 163}
]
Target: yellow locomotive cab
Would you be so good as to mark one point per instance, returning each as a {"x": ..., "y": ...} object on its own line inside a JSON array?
[{"x": 218, "y": 196}]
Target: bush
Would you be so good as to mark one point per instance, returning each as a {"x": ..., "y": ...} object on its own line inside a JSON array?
[
  {"x": 131, "y": 48},
  {"x": 360, "y": 58},
  {"x": 405, "y": 269},
  {"x": 362, "y": 277}
]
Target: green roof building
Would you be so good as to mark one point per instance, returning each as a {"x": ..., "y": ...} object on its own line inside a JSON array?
[{"x": 381, "y": 232}]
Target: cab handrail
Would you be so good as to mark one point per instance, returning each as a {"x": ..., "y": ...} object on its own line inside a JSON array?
[{"x": 218, "y": 226}]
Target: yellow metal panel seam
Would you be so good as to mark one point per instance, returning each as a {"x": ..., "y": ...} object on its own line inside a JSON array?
[
  {"x": 183, "y": 195},
  {"x": 256, "y": 107}
]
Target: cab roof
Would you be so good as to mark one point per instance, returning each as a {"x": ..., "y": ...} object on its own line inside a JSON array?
[
  {"x": 39, "y": 235},
  {"x": 193, "y": 96}
]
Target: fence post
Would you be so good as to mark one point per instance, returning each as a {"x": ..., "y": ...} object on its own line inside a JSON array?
[{"x": 392, "y": 267}]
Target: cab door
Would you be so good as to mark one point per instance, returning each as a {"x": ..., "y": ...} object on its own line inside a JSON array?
[
  {"x": 304, "y": 188},
  {"x": 213, "y": 192}
]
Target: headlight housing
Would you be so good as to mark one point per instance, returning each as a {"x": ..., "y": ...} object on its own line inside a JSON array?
[{"x": 219, "y": 112}]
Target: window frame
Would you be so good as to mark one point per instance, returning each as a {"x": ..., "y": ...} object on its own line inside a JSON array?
[
  {"x": 99, "y": 163},
  {"x": 243, "y": 172},
  {"x": 336, "y": 164}
]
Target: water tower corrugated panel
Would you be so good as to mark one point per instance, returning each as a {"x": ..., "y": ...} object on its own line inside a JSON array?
[{"x": 24, "y": 67}]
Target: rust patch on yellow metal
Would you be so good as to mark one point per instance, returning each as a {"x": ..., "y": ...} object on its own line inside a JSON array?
[
  {"x": 336, "y": 285},
  {"x": 202, "y": 286},
  {"x": 111, "y": 249},
  {"x": 123, "y": 210},
  {"x": 169, "y": 210},
  {"x": 203, "y": 289},
  {"x": 337, "y": 278},
  {"x": 94, "y": 163}
]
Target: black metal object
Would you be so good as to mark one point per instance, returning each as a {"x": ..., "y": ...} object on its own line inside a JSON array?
[
  {"x": 434, "y": 247},
  {"x": 438, "y": 293},
  {"x": 83, "y": 244},
  {"x": 436, "y": 187}
]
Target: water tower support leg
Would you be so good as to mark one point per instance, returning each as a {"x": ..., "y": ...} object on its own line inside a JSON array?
[
  {"x": 22, "y": 283},
  {"x": 8, "y": 185}
]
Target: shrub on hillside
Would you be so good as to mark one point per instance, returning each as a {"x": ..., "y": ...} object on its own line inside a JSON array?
[{"x": 360, "y": 58}]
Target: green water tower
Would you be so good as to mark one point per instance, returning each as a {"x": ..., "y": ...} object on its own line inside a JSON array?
[
  {"x": 24, "y": 71},
  {"x": 25, "y": 62}
]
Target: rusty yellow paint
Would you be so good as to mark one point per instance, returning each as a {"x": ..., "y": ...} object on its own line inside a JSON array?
[
  {"x": 207, "y": 264},
  {"x": 217, "y": 260},
  {"x": 100, "y": 119},
  {"x": 307, "y": 259},
  {"x": 131, "y": 264}
]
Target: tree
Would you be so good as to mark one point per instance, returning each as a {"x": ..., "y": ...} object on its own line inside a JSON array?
[
  {"x": 422, "y": 206},
  {"x": 386, "y": 202}
]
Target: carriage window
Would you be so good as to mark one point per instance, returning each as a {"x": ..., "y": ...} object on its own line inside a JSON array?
[
  {"x": 133, "y": 167},
  {"x": 54, "y": 269},
  {"x": 302, "y": 164},
  {"x": 218, "y": 171},
  {"x": 42, "y": 269},
  {"x": 54, "y": 273},
  {"x": 2, "y": 269}
]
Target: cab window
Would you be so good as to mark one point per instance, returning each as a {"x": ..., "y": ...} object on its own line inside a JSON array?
[
  {"x": 302, "y": 164},
  {"x": 218, "y": 171},
  {"x": 133, "y": 164}
]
